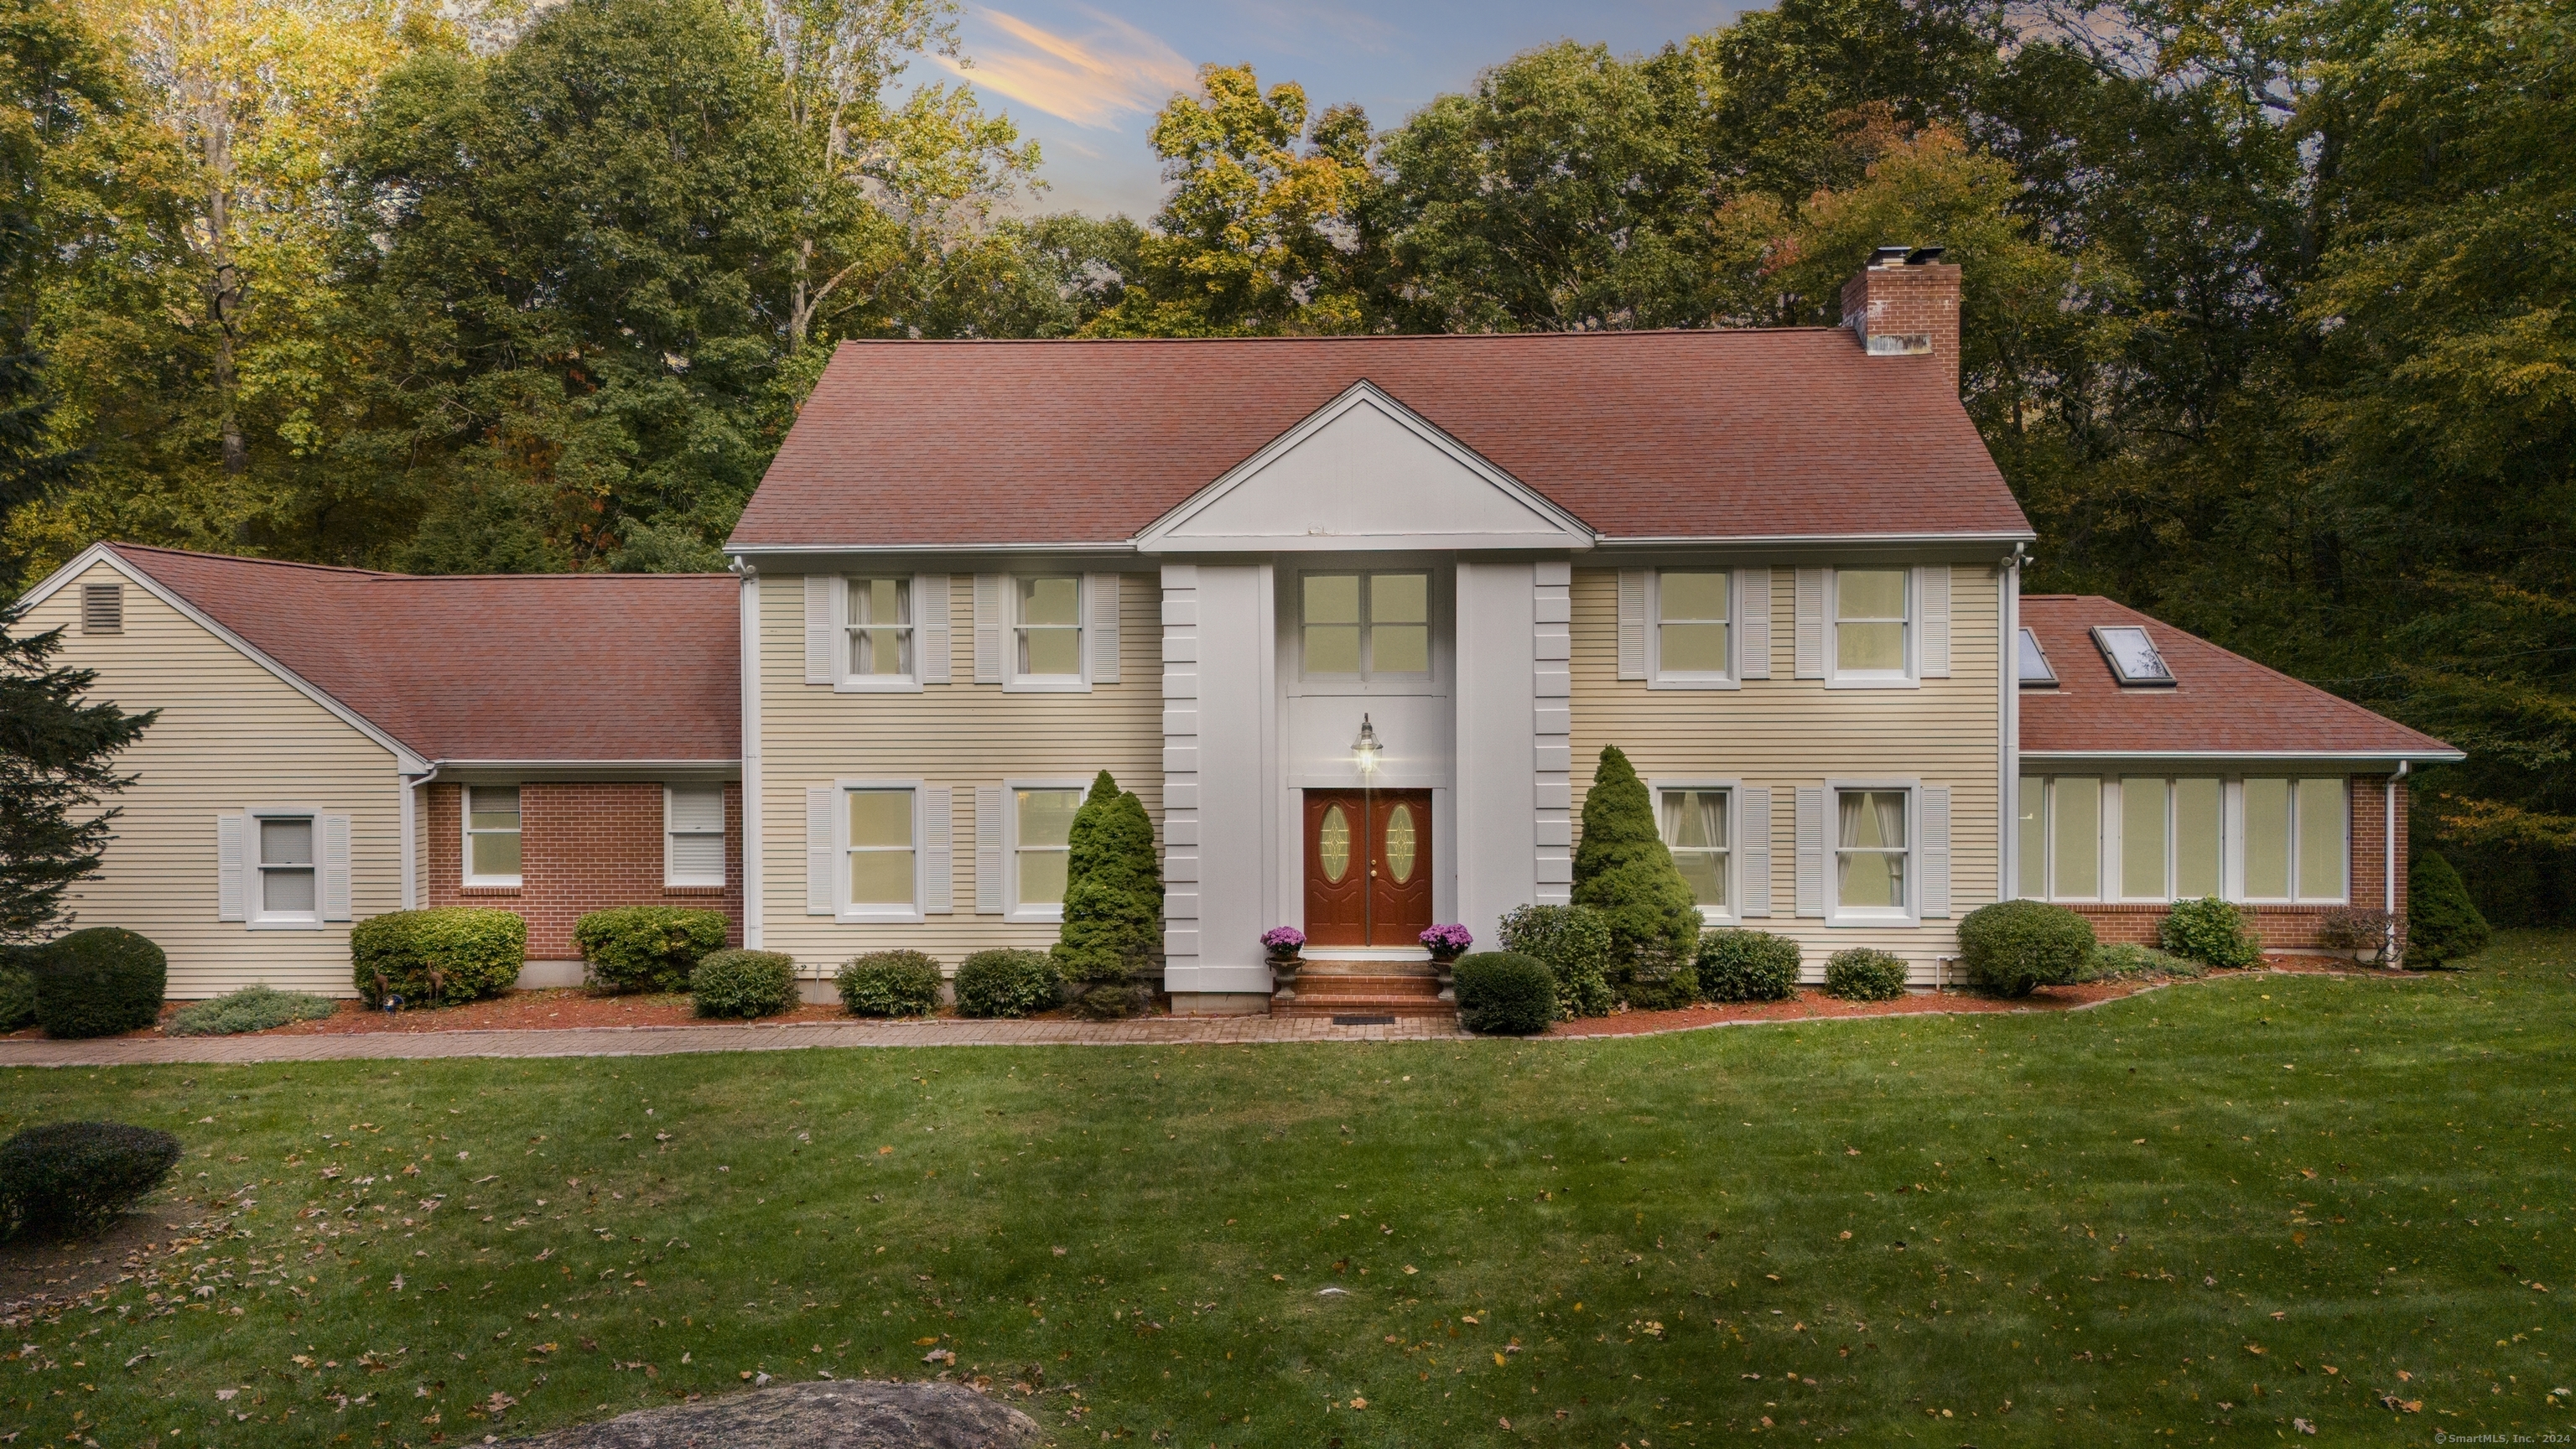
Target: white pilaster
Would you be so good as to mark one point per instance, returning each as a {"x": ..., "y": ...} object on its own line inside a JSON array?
[{"x": 1551, "y": 730}]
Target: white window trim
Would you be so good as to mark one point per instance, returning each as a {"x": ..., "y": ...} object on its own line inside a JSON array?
[
  {"x": 1911, "y": 677},
  {"x": 845, "y": 644},
  {"x": 1013, "y": 681},
  {"x": 1656, "y": 676},
  {"x": 1911, "y": 913},
  {"x": 465, "y": 829},
  {"x": 2234, "y": 830},
  {"x": 255, "y": 885},
  {"x": 670, "y": 876},
  {"x": 1012, "y": 910},
  {"x": 1718, "y": 916},
  {"x": 843, "y": 910},
  {"x": 2231, "y": 841},
  {"x": 1373, "y": 681}
]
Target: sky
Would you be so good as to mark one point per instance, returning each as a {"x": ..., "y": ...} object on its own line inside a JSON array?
[{"x": 1085, "y": 79}]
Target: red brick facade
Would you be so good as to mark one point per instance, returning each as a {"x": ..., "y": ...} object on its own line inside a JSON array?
[
  {"x": 582, "y": 847},
  {"x": 1920, "y": 300},
  {"x": 2291, "y": 928}
]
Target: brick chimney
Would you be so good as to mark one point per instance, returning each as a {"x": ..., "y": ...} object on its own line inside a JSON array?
[{"x": 1906, "y": 303}]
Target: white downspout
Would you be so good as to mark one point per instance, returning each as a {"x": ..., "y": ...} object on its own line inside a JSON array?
[
  {"x": 751, "y": 861},
  {"x": 2388, "y": 860},
  {"x": 2008, "y": 752},
  {"x": 408, "y": 817}
]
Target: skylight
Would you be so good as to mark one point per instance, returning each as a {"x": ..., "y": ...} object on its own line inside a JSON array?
[
  {"x": 2035, "y": 671},
  {"x": 2133, "y": 657}
]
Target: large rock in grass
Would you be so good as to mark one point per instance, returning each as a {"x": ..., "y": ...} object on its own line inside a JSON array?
[{"x": 829, "y": 1415}]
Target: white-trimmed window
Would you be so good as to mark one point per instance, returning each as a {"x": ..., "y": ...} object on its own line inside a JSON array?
[
  {"x": 2297, "y": 840},
  {"x": 2177, "y": 838},
  {"x": 1872, "y": 866},
  {"x": 1046, "y": 629},
  {"x": 880, "y": 646},
  {"x": 693, "y": 835},
  {"x": 492, "y": 835},
  {"x": 1693, "y": 639},
  {"x": 1039, "y": 822},
  {"x": 880, "y": 853},
  {"x": 1698, "y": 825},
  {"x": 286, "y": 880},
  {"x": 1364, "y": 625},
  {"x": 1870, "y": 619}
]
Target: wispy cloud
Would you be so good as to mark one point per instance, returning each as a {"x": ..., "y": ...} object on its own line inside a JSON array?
[
  {"x": 1091, "y": 79},
  {"x": 1317, "y": 28}
]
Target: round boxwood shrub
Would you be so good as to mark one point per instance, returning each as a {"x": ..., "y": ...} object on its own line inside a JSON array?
[
  {"x": 100, "y": 982},
  {"x": 1007, "y": 983},
  {"x": 73, "y": 1177},
  {"x": 1747, "y": 966},
  {"x": 2015, "y": 947},
  {"x": 1504, "y": 993},
  {"x": 445, "y": 956},
  {"x": 2210, "y": 931},
  {"x": 2442, "y": 923},
  {"x": 17, "y": 987},
  {"x": 1864, "y": 973},
  {"x": 890, "y": 983},
  {"x": 646, "y": 948},
  {"x": 743, "y": 983},
  {"x": 253, "y": 1008},
  {"x": 1573, "y": 942}
]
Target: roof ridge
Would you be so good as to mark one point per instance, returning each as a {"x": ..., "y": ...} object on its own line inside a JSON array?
[
  {"x": 243, "y": 558},
  {"x": 1337, "y": 338}
]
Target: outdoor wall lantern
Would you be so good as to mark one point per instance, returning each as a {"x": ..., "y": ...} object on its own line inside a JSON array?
[{"x": 1364, "y": 750}]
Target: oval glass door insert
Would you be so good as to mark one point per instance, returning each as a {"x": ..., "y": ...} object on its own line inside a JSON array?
[
  {"x": 1333, "y": 844},
  {"x": 1399, "y": 843}
]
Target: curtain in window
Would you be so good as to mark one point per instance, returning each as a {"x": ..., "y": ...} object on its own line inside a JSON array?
[
  {"x": 1695, "y": 831},
  {"x": 1870, "y": 866}
]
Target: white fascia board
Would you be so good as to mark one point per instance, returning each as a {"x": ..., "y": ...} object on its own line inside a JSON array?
[
  {"x": 780, "y": 555},
  {"x": 1609, "y": 545},
  {"x": 2220, "y": 757},
  {"x": 505, "y": 772},
  {"x": 1157, "y": 537},
  {"x": 406, "y": 760}
]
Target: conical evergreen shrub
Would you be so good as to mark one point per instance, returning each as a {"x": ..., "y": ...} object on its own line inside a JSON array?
[
  {"x": 2442, "y": 923},
  {"x": 1113, "y": 902},
  {"x": 1623, "y": 870}
]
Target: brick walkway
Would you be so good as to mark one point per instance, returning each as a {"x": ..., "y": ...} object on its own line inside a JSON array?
[{"x": 653, "y": 1041}]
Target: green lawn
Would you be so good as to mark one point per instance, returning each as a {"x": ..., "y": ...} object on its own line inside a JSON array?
[{"x": 2199, "y": 1214}]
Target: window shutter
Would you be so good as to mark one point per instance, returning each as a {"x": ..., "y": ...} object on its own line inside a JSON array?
[
  {"x": 818, "y": 628},
  {"x": 818, "y": 852},
  {"x": 1753, "y": 850},
  {"x": 1936, "y": 621},
  {"x": 232, "y": 869},
  {"x": 988, "y": 850},
  {"x": 1811, "y": 623},
  {"x": 938, "y": 851},
  {"x": 1632, "y": 623},
  {"x": 1100, "y": 599},
  {"x": 930, "y": 626},
  {"x": 1935, "y": 850},
  {"x": 1811, "y": 852},
  {"x": 334, "y": 830},
  {"x": 988, "y": 627},
  {"x": 1753, "y": 635}
]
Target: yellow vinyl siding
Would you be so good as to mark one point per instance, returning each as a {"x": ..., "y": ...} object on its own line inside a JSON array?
[
  {"x": 961, "y": 735},
  {"x": 231, "y": 735},
  {"x": 1785, "y": 733}
]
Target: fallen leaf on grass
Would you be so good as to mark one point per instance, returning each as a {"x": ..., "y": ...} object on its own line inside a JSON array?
[{"x": 2396, "y": 1405}]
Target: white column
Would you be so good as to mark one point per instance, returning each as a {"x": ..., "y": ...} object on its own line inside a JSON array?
[
  {"x": 1551, "y": 729},
  {"x": 1220, "y": 776},
  {"x": 752, "y": 902},
  {"x": 1180, "y": 772},
  {"x": 1497, "y": 812}
]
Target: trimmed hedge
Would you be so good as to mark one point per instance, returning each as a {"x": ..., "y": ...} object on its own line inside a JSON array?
[
  {"x": 2442, "y": 923},
  {"x": 2015, "y": 947},
  {"x": 17, "y": 987},
  {"x": 100, "y": 982},
  {"x": 1658, "y": 983},
  {"x": 646, "y": 948},
  {"x": 2210, "y": 931},
  {"x": 1573, "y": 943},
  {"x": 1007, "y": 983},
  {"x": 1747, "y": 966},
  {"x": 445, "y": 956},
  {"x": 890, "y": 983},
  {"x": 1864, "y": 974},
  {"x": 74, "y": 1177},
  {"x": 1505, "y": 993},
  {"x": 743, "y": 983},
  {"x": 253, "y": 1008}
]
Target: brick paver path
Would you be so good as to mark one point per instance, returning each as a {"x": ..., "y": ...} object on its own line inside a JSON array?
[{"x": 648, "y": 1041}]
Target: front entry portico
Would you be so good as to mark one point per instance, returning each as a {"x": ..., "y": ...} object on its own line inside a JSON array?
[{"x": 1368, "y": 867}]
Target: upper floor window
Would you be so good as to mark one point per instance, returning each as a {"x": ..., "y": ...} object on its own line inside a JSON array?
[
  {"x": 693, "y": 835},
  {"x": 880, "y": 628},
  {"x": 1870, "y": 615},
  {"x": 287, "y": 881},
  {"x": 1366, "y": 625},
  {"x": 1694, "y": 624},
  {"x": 492, "y": 835},
  {"x": 1046, "y": 624},
  {"x": 1698, "y": 830},
  {"x": 1871, "y": 853}
]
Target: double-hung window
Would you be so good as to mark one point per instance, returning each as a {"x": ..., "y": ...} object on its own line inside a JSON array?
[
  {"x": 880, "y": 630},
  {"x": 1046, "y": 629},
  {"x": 2295, "y": 840},
  {"x": 1872, "y": 850},
  {"x": 693, "y": 835},
  {"x": 1872, "y": 620},
  {"x": 1041, "y": 833},
  {"x": 1698, "y": 828},
  {"x": 288, "y": 876},
  {"x": 491, "y": 835},
  {"x": 879, "y": 848},
  {"x": 1694, "y": 626},
  {"x": 1366, "y": 626}
]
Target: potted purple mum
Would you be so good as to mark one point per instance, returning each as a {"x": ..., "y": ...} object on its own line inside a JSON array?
[{"x": 1283, "y": 943}]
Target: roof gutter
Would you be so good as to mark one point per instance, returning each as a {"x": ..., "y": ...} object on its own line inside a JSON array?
[{"x": 2399, "y": 758}]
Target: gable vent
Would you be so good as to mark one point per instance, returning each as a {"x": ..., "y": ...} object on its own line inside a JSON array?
[{"x": 102, "y": 608}]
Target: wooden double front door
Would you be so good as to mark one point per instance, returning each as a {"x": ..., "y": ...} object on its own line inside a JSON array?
[{"x": 1368, "y": 867}]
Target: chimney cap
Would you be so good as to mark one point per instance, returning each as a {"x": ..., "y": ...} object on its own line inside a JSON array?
[
  {"x": 1888, "y": 256},
  {"x": 1923, "y": 256}
]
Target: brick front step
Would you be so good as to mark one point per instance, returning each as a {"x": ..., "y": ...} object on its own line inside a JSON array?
[{"x": 1343, "y": 989}]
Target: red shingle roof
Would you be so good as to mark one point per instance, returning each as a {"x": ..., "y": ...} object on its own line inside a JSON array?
[
  {"x": 590, "y": 667},
  {"x": 2221, "y": 703},
  {"x": 1703, "y": 434}
]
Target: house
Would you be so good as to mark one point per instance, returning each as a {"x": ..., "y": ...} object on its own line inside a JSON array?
[
  {"x": 336, "y": 743},
  {"x": 1354, "y": 617}
]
